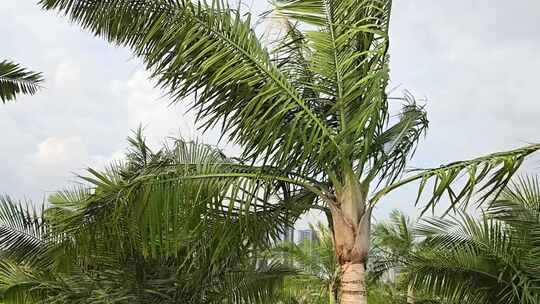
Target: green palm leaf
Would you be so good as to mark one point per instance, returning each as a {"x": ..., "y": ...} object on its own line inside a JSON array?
[
  {"x": 15, "y": 80},
  {"x": 130, "y": 237},
  {"x": 487, "y": 175}
]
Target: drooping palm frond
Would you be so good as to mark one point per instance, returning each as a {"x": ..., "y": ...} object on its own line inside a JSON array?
[
  {"x": 330, "y": 104},
  {"x": 15, "y": 80},
  {"x": 172, "y": 195},
  {"x": 209, "y": 49},
  {"x": 487, "y": 175}
]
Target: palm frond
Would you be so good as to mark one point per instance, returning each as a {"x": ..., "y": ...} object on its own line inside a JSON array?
[
  {"x": 17, "y": 283},
  {"x": 393, "y": 148},
  {"x": 393, "y": 241},
  {"x": 486, "y": 175},
  {"x": 130, "y": 238},
  {"x": 184, "y": 190},
  {"x": 348, "y": 57},
  {"x": 23, "y": 234},
  {"x": 211, "y": 51},
  {"x": 15, "y": 80}
]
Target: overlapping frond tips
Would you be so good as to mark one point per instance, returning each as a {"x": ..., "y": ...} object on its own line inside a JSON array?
[
  {"x": 16, "y": 282},
  {"x": 474, "y": 260},
  {"x": 524, "y": 191},
  {"x": 22, "y": 231},
  {"x": 194, "y": 239},
  {"x": 15, "y": 80},
  {"x": 183, "y": 190},
  {"x": 396, "y": 145}
]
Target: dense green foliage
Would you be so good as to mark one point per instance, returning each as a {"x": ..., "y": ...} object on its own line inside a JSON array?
[
  {"x": 460, "y": 258},
  {"x": 118, "y": 241},
  {"x": 394, "y": 244},
  {"x": 493, "y": 259},
  {"x": 312, "y": 115}
]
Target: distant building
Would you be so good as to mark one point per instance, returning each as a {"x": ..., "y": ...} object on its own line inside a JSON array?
[
  {"x": 287, "y": 235},
  {"x": 298, "y": 236},
  {"x": 307, "y": 235},
  {"x": 304, "y": 235}
]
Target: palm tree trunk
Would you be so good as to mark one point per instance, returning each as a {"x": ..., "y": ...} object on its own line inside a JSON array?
[
  {"x": 353, "y": 287},
  {"x": 351, "y": 221}
]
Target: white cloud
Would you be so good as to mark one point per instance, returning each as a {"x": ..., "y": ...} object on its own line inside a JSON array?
[
  {"x": 148, "y": 107},
  {"x": 67, "y": 76},
  {"x": 52, "y": 163},
  {"x": 55, "y": 152}
]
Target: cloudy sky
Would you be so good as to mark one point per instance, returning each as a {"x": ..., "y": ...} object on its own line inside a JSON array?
[{"x": 476, "y": 62}]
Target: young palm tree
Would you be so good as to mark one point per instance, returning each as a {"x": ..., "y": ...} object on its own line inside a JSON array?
[
  {"x": 393, "y": 242},
  {"x": 15, "y": 80},
  {"x": 494, "y": 259},
  {"x": 318, "y": 279},
  {"x": 104, "y": 245},
  {"x": 311, "y": 112}
]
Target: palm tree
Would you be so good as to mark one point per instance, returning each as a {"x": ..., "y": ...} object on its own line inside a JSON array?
[
  {"x": 311, "y": 111},
  {"x": 493, "y": 259},
  {"x": 102, "y": 245},
  {"x": 394, "y": 243},
  {"x": 15, "y": 80}
]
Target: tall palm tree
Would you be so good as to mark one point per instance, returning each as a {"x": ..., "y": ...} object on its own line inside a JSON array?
[
  {"x": 310, "y": 111},
  {"x": 15, "y": 80},
  {"x": 104, "y": 245},
  {"x": 494, "y": 259}
]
